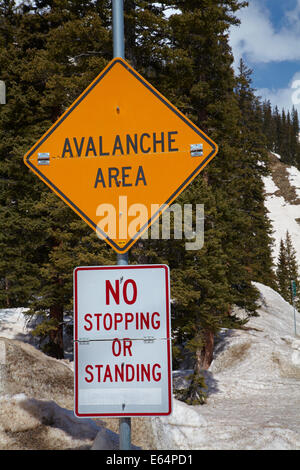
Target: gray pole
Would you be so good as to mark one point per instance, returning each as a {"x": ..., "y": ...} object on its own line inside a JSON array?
[
  {"x": 118, "y": 28},
  {"x": 125, "y": 423},
  {"x": 122, "y": 259},
  {"x": 2, "y": 92}
]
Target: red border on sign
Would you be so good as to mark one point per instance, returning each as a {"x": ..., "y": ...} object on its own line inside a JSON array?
[{"x": 121, "y": 267}]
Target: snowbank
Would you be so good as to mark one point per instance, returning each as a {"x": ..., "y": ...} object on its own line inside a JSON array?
[
  {"x": 36, "y": 398},
  {"x": 254, "y": 390},
  {"x": 14, "y": 324},
  {"x": 185, "y": 428},
  {"x": 30, "y": 424},
  {"x": 253, "y": 393}
]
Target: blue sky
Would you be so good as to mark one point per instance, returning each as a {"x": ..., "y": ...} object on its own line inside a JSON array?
[{"x": 268, "y": 40}]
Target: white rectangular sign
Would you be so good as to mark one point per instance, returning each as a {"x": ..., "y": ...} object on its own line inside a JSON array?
[{"x": 122, "y": 337}]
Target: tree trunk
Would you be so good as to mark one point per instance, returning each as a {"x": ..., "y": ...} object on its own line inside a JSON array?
[
  {"x": 204, "y": 356},
  {"x": 7, "y": 292},
  {"x": 56, "y": 336}
]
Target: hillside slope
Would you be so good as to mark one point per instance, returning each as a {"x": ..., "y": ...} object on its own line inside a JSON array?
[
  {"x": 253, "y": 382},
  {"x": 253, "y": 393},
  {"x": 282, "y": 201}
]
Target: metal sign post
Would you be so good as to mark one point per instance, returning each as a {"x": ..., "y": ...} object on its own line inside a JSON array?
[
  {"x": 2, "y": 92},
  {"x": 124, "y": 423},
  {"x": 118, "y": 28},
  {"x": 122, "y": 259}
]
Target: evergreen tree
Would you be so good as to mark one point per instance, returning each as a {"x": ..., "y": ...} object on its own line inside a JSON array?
[
  {"x": 202, "y": 295},
  {"x": 293, "y": 268},
  {"x": 278, "y": 130},
  {"x": 253, "y": 166},
  {"x": 282, "y": 133},
  {"x": 204, "y": 92},
  {"x": 268, "y": 125},
  {"x": 282, "y": 272},
  {"x": 211, "y": 103},
  {"x": 283, "y": 137},
  {"x": 21, "y": 248},
  {"x": 56, "y": 49},
  {"x": 287, "y": 269},
  {"x": 295, "y": 143}
]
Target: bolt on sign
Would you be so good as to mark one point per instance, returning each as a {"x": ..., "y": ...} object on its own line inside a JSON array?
[
  {"x": 122, "y": 341},
  {"x": 120, "y": 155}
]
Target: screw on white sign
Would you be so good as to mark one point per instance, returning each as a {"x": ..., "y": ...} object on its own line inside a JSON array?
[{"x": 122, "y": 341}]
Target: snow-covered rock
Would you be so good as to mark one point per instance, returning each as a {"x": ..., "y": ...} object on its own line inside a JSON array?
[
  {"x": 183, "y": 429},
  {"x": 254, "y": 388}
]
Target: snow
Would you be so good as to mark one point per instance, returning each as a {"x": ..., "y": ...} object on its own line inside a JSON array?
[
  {"x": 253, "y": 382},
  {"x": 294, "y": 178},
  {"x": 283, "y": 217},
  {"x": 253, "y": 393},
  {"x": 270, "y": 186},
  {"x": 282, "y": 214},
  {"x": 13, "y": 323}
]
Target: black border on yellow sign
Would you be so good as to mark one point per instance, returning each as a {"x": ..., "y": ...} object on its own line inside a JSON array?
[{"x": 203, "y": 163}]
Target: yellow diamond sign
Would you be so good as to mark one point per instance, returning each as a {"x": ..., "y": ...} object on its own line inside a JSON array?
[{"x": 120, "y": 155}]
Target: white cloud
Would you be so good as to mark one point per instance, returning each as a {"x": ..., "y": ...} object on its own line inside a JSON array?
[
  {"x": 283, "y": 97},
  {"x": 293, "y": 17},
  {"x": 257, "y": 40}
]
